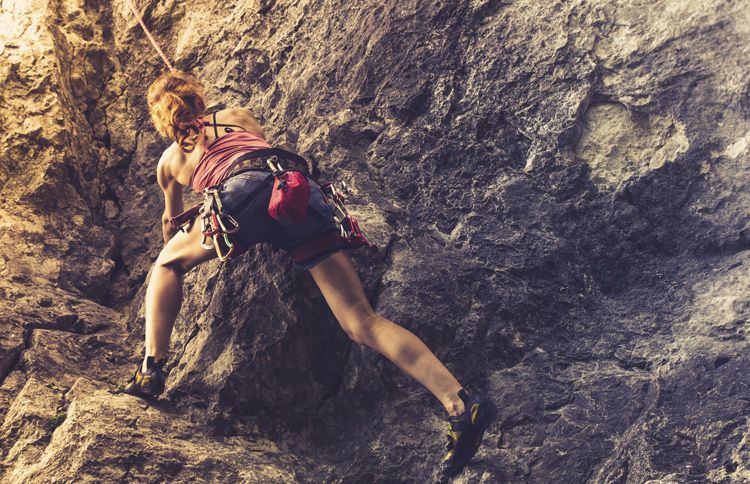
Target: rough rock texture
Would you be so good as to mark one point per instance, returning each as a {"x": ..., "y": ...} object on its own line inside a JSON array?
[{"x": 561, "y": 191}]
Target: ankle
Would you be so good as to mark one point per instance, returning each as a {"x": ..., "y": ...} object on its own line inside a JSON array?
[
  {"x": 153, "y": 363},
  {"x": 454, "y": 405}
]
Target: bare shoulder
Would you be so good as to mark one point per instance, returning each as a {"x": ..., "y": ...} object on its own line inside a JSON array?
[
  {"x": 244, "y": 117},
  {"x": 240, "y": 112},
  {"x": 165, "y": 169},
  {"x": 241, "y": 115}
]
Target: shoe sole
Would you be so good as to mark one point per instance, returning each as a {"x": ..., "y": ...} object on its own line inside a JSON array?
[
  {"x": 484, "y": 424},
  {"x": 484, "y": 421},
  {"x": 137, "y": 391}
]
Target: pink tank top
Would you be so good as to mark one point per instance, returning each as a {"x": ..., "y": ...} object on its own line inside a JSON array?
[{"x": 217, "y": 158}]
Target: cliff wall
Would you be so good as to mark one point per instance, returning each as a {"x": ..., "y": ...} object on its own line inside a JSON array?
[{"x": 561, "y": 192}]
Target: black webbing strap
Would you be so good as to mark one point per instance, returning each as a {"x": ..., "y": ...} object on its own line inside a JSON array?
[{"x": 240, "y": 166}]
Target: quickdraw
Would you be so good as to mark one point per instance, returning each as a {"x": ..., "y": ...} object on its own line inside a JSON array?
[
  {"x": 349, "y": 228},
  {"x": 216, "y": 225}
]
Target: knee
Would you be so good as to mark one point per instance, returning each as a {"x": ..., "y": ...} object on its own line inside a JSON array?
[{"x": 360, "y": 328}]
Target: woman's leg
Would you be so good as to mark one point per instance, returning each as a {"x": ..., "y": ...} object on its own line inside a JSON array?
[
  {"x": 342, "y": 289},
  {"x": 164, "y": 291}
]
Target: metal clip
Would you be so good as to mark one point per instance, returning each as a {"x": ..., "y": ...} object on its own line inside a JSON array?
[
  {"x": 206, "y": 234},
  {"x": 225, "y": 218},
  {"x": 216, "y": 225},
  {"x": 277, "y": 168},
  {"x": 217, "y": 244}
]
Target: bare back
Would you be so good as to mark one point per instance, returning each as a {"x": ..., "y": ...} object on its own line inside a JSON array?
[{"x": 180, "y": 165}]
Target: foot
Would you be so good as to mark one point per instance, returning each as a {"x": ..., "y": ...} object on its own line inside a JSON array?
[
  {"x": 149, "y": 383},
  {"x": 466, "y": 432}
]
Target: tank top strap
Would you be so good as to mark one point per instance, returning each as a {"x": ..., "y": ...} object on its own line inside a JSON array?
[
  {"x": 201, "y": 125},
  {"x": 216, "y": 131}
]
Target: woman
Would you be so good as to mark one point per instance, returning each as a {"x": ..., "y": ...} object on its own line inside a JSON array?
[{"x": 202, "y": 154}]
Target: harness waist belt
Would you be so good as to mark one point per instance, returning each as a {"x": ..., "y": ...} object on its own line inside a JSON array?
[{"x": 255, "y": 160}]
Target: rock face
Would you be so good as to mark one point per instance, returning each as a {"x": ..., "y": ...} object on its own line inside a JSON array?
[{"x": 561, "y": 191}]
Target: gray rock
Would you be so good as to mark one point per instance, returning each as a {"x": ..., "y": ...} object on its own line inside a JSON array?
[{"x": 560, "y": 191}]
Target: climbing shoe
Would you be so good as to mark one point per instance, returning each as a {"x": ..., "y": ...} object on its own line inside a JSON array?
[
  {"x": 466, "y": 431},
  {"x": 149, "y": 383}
]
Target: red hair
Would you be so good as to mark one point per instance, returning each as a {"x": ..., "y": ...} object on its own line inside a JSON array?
[{"x": 175, "y": 101}]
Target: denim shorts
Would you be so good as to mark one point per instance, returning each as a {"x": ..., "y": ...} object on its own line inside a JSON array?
[{"x": 256, "y": 225}]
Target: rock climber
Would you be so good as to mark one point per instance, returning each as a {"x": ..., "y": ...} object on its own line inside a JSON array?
[{"x": 204, "y": 149}]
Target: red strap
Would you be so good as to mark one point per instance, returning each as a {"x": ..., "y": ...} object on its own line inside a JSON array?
[
  {"x": 185, "y": 217},
  {"x": 317, "y": 246}
]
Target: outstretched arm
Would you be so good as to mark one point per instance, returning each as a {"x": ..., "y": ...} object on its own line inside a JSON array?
[{"x": 172, "y": 196}]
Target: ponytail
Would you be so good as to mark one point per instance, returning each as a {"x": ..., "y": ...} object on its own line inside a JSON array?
[{"x": 175, "y": 101}]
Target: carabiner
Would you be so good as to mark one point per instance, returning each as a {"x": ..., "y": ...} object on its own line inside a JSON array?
[
  {"x": 233, "y": 223},
  {"x": 205, "y": 245},
  {"x": 228, "y": 242},
  {"x": 217, "y": 245}
]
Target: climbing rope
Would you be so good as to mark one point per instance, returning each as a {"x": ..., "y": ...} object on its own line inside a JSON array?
[{"x": 150, "y": 37}]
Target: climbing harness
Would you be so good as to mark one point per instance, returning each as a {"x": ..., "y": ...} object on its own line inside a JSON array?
[
  {"x": 287, "y": 170},
  {"x": 290, "y": 204}
]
